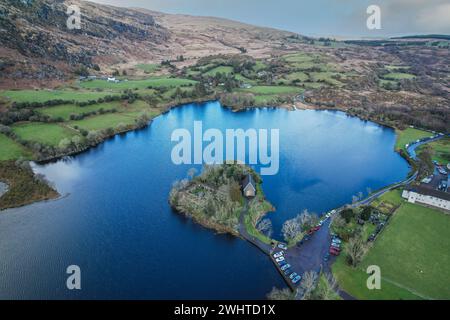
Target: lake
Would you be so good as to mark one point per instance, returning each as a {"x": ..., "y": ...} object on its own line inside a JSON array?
[{"x": 114, "y": 220}]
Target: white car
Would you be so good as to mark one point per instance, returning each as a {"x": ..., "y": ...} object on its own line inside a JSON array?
[
  {"x": 282, "y": 246},
  {"x": 278, "y": 254},
  {"x": 279, "y": 259}
]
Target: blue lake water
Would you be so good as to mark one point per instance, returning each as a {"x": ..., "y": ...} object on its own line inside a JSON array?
[{"x": 116, "y": 224}]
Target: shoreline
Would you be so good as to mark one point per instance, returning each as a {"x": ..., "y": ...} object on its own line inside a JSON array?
[{"x": 168, "y": 107}]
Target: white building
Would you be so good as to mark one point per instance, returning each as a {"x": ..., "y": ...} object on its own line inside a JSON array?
[{"x": 428, "y": 196}]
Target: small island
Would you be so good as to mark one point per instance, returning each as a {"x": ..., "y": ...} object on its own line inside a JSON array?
[{"x": 227, "y": 198}]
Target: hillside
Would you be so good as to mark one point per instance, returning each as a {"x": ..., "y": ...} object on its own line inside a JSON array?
[{"x": 36, "y": 44}]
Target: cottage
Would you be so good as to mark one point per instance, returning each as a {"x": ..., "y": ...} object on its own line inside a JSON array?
[
  {"x": 249, "y": 187},
  {"x": 427, "y": 196}
]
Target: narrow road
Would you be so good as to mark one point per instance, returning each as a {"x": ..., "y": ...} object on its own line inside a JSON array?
[{"x": 243, "y": 232}]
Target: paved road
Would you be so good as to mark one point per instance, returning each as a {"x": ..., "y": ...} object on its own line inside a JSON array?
[
  {"x": 412, "y": 148},
  {"x": 243, "y": 232}
]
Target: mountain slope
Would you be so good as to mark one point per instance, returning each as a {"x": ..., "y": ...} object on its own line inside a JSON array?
[{"x": 37, "y": 45}]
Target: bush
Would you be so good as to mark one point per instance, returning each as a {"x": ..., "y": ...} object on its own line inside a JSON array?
[
  {"x": 365, "y": 213},
  {"x": 347, "y": 214}
]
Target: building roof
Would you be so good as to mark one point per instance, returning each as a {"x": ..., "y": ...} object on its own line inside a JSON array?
[
  {"x": 429, "y": 192},
  {"x": 248, "y": 180}
]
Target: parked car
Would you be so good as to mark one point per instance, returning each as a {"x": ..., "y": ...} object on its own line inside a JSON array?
[
  {"x": 293, "y": 275},
  {"x": 279, "y": 259},
  {"x": 287, "y": 272},
  {"x": 296, "y": 279},
  {"x": 286, "y": 266},
  {"x": 335, "y": 248},
  {"x": 317, "y": 228},
  {"x": 278, "y": 254},
  {"x": 337, "y": 240},
  {"x": 336, "y": 244},
  {"x": 282, "y": 246},
  {"x": 282, "y": 263},
  {"x": 334, "y": 252}
]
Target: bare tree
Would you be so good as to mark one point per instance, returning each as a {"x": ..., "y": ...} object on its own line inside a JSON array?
[
  {"x": 355, "y": 250},
  {"x": 291, "y": 229},
  {"x": 308, "y": 284},
  {"x": 265, "y": 227},
  {"x": 305, "y": 219},
  {"x": 328, "y": 288},
  {"x": 280, "y": 294}
]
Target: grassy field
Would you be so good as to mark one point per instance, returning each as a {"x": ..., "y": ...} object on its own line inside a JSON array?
[
  {"x": 299, "y": 76},
  {"x": 272, "y": 90},
  {"x": 137, "y": 84},
  {"x": 105, "y": 121},
  {"x": 440, "y": 150},
  {"x": 300, "y": 57},
  {"x": 412, "y": 253},
  {"x": 148, "y": 67},
  {"x": 220, "y": 69},
  {"x": 326, "y": 76},
  {"x": 9, "y": 149},
  {"x": 64, "y": 111},
  {"x": 409, "y": 135},
  {"x": 393, "y": 197},
  {"x": 396, "y": 68},
  {"x": 398, "y": 76},
  {"x": 353, "y": 281},
  {"x": 259, "y": 65},
  {"x": 45, "y": 133},
  {"x": 46, "y": 95}
]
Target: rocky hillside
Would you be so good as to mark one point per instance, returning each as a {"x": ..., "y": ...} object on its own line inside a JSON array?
[{"x": 36, "y": 45}]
